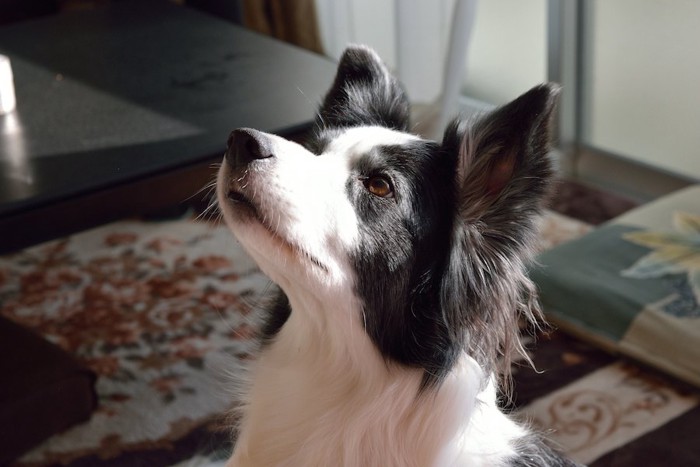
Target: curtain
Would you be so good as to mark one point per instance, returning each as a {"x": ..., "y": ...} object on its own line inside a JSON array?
[{"x": 292, "y": 21}]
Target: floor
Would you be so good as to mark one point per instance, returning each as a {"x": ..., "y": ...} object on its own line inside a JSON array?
[{"x": 588, "y": 204}]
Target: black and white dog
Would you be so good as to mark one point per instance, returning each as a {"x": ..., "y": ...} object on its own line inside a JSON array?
[{"x": 401, "y": 262}]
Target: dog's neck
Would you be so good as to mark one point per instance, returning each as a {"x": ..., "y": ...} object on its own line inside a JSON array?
[{"x": 323, "y": 395}]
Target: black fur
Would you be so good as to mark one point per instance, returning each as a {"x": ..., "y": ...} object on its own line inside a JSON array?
[
  {"x": 453, "y": 237},
  {"x": 503, "y": 174},
  {"x": 402, "y": 254},
  {"x": 533, "y": 452},
  {"x": 364, "y": 93}
]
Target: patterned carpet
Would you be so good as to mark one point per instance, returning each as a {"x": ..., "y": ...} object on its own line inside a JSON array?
[
  {"x": 164, "y": 313},
  {"x": 159, "y": 310}
]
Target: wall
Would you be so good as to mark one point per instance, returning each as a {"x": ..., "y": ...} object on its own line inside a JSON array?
[{"x": 643, "y": 70}]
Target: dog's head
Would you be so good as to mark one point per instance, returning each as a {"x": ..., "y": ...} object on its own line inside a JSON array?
[{"x": 428, "y": 237}]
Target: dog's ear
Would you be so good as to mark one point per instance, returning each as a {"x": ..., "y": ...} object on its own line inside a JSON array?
[
  {"x": 502, "y": 178},
  {"x": 503, "y": 165},
  {"x": 364, "y": 93}
]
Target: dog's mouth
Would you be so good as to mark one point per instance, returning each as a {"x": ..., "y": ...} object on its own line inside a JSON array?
[
  {"x": 241, "y": 201},
  {"x": 244, "y": 203}
]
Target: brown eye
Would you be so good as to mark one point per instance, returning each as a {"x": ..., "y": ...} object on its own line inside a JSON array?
[{"x": 379, "y": 186}]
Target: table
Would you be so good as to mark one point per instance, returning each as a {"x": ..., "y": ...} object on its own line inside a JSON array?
[{"x": 122, "y": 110}]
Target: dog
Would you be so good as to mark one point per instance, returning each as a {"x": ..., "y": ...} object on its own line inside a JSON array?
[{"x": 401, "y": 265}]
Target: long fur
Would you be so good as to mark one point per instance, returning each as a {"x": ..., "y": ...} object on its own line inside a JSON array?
[{"x": 401, "y": 266}]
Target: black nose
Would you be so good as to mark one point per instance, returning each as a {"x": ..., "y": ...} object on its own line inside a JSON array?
[{"x": 246, "y": 145}]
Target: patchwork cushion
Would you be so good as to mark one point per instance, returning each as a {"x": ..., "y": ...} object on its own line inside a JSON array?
[
  {"x": 43, "y": 390},
  {"x": 633, "y": 285}
]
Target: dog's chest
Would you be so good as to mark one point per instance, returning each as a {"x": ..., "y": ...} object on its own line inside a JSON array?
[{"x": 323, "y": 412}]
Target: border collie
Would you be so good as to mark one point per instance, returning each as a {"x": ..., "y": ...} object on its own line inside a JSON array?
[{"x": 401, "y": 268}]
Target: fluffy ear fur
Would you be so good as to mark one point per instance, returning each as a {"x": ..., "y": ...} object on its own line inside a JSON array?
[
  {"x": 364, "y": 93},
  {"x": 503, "y": 173}
]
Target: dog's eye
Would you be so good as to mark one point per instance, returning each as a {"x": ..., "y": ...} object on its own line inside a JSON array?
[{"x": 379, "y": 186}]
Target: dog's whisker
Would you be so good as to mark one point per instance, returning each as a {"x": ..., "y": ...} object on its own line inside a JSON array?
[
  {"x": 211, "y": 210},
  {"x": 209, "y": 186}
]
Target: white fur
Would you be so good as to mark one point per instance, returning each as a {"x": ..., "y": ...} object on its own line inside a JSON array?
[{"x": 321, "y": 394}]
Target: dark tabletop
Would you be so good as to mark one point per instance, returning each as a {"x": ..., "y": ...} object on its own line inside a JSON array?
[{"x": 127, "y": 93}]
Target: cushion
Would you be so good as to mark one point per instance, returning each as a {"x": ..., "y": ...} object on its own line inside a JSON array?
[
  {"x": 632, "y": 286},
  {"x": 44, "y": 390}
]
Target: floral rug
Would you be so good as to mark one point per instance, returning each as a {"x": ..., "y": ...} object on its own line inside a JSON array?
[{"x": 161, "y": 311}]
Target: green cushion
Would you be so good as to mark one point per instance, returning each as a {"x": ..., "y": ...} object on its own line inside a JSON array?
[{"x": 633, "y": 285}]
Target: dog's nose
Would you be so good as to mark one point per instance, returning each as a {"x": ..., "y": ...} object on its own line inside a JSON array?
[{"x": 246, "y": 145}]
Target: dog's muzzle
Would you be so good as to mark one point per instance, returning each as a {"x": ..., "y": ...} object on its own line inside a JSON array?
[{"x": 246, "y": 145}]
